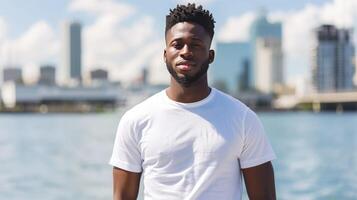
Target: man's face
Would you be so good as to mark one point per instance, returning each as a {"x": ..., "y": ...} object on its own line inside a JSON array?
[{"x": 187, "y": 54}]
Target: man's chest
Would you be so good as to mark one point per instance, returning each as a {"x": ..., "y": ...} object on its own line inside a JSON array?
[{"x": 183, "y": 139}]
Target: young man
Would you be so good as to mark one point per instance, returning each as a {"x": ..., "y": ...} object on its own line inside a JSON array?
[{"x": 191, "y": 141}]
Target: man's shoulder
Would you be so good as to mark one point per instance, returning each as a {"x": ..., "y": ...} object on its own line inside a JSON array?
[
  {"x": 145, "y": 107},
  {"x": 237, "y": 107},
  {"x": 230, "y": 101}
]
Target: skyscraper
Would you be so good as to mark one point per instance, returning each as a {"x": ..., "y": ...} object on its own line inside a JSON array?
[
  {"x": 230, "y": 67},
  {"x": 144, "y": 75},
  {"x": 99, "y": 74},
  {"x": 266, "y": 54},
  {"x": 72, "y": 50},
  {"x": 13, "y": 74},
  {"x": 333, "y": 66},
  {"x": 47, "y": 75},
  {"x": 268, "y": 64}
]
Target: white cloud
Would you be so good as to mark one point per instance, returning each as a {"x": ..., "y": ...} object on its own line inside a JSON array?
[
  {"x": 236, "y": 28},
  {"x": 298, "y": 36},
  {"x": 38, "y": 45},
  {"x": 102, "y": 7},
  {"x": 158, "y": 72},
  {"x": 3, "y": 29},
  {"x": 340, "y": 12}
]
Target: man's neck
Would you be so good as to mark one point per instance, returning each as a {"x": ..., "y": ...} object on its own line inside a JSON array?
[{"x": 195, "y": 92}]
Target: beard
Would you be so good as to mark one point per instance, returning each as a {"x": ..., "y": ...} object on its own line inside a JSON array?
[{"x": 188, "y": 80}]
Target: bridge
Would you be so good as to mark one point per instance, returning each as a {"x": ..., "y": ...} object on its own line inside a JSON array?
[{"x": 330, "y": 101}]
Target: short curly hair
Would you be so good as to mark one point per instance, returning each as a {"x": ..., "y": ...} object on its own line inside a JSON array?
[{"x": 191, "y": 13}]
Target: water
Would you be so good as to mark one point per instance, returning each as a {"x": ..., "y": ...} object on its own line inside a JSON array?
[
  {"x": 65, "y": 156},
  {"x": 317, "y": 154}
]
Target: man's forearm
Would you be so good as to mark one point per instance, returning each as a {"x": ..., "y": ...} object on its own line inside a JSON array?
[
  {"x": 122, "y": 196},
  {"x": 260, "y": 182},
  {"x": 125, "y": 184}
]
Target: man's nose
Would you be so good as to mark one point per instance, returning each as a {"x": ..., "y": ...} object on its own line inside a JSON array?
[{"x": 186, "y": 51}]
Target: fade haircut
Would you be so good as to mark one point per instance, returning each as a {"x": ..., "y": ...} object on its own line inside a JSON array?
[{"x": 191, "y": 13}]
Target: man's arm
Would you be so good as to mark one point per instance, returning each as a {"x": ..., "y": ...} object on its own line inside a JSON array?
[
  {"x": 259, "y": 181},
  {"x": 125, "y": 184}
]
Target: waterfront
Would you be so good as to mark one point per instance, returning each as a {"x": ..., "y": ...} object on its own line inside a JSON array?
[{"x": 64, "y": 156}]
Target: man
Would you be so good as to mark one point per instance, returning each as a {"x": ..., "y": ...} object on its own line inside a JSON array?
[{"x": 191, "y": 141}]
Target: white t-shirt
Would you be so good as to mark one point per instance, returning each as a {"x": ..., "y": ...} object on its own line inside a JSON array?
[{"x": 190, "y": 150}]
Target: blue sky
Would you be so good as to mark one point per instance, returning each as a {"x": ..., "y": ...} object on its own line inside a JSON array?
[
  {"x": 20, "y": 15},
  {"x": 124, "y": 36}
]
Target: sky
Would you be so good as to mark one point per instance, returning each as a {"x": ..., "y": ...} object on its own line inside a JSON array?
[{"x": 125, "y": 36}]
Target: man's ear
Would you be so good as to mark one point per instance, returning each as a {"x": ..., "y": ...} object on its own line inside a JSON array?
[
  {"x": 211, "y": 56},
  {"x": 164, "y": 55}
]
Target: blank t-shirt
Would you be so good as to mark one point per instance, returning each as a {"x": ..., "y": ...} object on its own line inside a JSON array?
[{"x": 190, "y": 150}]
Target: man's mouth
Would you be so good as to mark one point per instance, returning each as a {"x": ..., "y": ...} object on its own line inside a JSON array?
[{"x": 184, "y": 66}]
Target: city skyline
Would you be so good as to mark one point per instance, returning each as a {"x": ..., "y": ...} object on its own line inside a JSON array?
[{"x": 108, "y": 34}]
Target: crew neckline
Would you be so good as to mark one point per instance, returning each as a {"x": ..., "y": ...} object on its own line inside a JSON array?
[{"x": 192, "y": 104}]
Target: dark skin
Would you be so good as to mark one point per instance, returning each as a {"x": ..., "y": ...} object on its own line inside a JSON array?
[
  {"x": 259, "y": 181},
  {"x": 188, "y": 44},
  {"x": 125, "y": 184}
]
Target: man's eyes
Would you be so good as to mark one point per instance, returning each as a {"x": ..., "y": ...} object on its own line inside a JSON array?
[
  {"x": 196, "y": 45},
  {"x": 177, "y": 45},
  {"x": 180, "y": 45}
]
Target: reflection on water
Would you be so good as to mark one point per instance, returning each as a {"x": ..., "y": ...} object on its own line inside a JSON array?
[
  {"x": 56, "y": 156},
  {"x": 317, "y": 154},
  {"x": 64, "y": 156}
]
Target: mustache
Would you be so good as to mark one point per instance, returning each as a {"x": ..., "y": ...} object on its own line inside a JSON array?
[
  {"x": 185, "y": 62},
  {"x": 188, "y": 80}
]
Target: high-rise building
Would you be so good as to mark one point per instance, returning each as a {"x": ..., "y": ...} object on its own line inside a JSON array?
[
  {"x": 13, "y": 74},
  {"x": 72, "y": 50},
  {"x": 144, "y": 75},
  {"x": 231, "y": 65},
  {"x": 266, "y": 42},
  {"x": 99, "y": 74},
  {"x": 333, "y": 65},
  {"x": 268, "y": 65},
  {"x": 47, "y": 75}
]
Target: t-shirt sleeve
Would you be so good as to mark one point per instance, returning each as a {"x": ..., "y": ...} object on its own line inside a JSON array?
[
  {"x": 126, "y": 154},
  {"x": 256, "y": 147}
]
